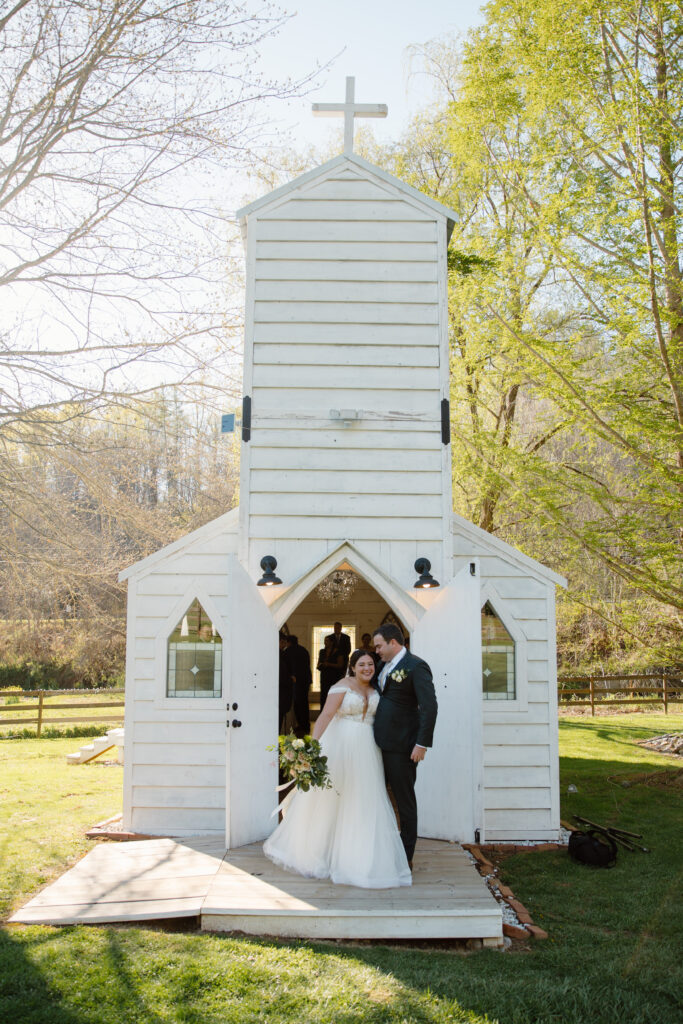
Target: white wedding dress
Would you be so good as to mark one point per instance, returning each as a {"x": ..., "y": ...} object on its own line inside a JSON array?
[{"x": 347, "y": 833}]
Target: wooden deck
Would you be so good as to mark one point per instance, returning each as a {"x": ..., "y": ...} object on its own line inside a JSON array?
[{"x": 243, "y": 891}]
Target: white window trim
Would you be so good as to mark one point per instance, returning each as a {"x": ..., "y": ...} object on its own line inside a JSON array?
[
  {"x": 194, "y": 591},
  {"x": 503, "y": 610}
]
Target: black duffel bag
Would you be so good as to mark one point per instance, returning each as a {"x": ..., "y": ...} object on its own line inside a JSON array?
[{"x": 594, "y": 848}]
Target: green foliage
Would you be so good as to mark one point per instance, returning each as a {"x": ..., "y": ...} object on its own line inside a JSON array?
[
  {"x": 54, "y": 732},
  {"x": 302, "y": 762},
  {"x": 55, "y": 654},
  {"x": 558, "y": 143},
  {"x": 609, "y": 637},
  {"x": 613, "y": 953}
]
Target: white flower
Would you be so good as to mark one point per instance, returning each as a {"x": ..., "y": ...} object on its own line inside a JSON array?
[{"x": 298, "y": 744}]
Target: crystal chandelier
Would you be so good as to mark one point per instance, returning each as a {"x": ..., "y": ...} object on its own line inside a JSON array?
[{"x": 338, "y": 587}]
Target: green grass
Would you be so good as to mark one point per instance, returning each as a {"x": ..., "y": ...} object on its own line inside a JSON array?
[
  {"x": 613, "y": 956},
  {"x": 45, "y": 807}
]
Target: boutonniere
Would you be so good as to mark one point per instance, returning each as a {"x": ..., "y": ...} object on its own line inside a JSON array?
[{"x": 398, "y": 675}]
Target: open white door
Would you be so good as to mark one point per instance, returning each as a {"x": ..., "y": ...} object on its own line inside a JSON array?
[
  {"x": 251, "y": 695},
  {"x": 450, "y": 779}
]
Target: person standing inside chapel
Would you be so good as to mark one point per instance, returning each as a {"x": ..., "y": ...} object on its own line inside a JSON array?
[
  {"x": 340, "y": 646},
  {"x": 299, "y": 661},
  {"x": 404, "y": 723}
]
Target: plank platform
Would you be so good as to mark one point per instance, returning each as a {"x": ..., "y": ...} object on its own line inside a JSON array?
[{"x": 241, "y": 890}]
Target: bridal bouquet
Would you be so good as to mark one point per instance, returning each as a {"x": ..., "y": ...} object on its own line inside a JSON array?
[{"x": 302, "y": 762}]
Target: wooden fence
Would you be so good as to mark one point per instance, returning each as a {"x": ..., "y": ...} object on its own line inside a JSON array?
[
  {"x": 623, "y": 689},
  {"x": 41, "y": 708}
]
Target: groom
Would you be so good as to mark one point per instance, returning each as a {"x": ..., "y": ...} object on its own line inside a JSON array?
[{"x": 404, "y": 723}]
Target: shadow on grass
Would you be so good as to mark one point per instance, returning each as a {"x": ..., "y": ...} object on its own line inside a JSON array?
[
  {"x": 25, "y": 993},
  {"x": 74, "y": 975}
]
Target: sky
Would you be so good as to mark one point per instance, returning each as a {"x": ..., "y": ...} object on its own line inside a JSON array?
[{"x": 368, "y": 39}]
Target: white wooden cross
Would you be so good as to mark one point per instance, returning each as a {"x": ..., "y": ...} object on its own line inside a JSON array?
[{"x": 349, "y": 110}]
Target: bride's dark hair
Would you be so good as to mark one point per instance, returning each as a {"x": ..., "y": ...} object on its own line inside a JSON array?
[{"x": 354, "y": 658}]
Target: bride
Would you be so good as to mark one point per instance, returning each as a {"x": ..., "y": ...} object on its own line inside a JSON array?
[{"x": 347, "y": 833}]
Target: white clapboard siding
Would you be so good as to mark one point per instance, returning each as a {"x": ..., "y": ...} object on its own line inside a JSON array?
[
  {"x": 360, "y": 504},
  {"x": 263, "y": 528},
  {"x": 179, "y": 732},
  {"x": 183, "y": 775},
  {"x": 175, "y": 757},
  {"x": 393, "y": 231},
  {"x": 275, "y": 400},
  {"x": 338, "y": 249},
  {"x": 505, "y": 755},
  {"x": 404, "y": 437},
  {"x": 325, "y": 481},
  {"x": 295, "y": 355},
  {"x": 270, "y": 291},
  {"x": 532, "y": 777},
  {"x": 370, "y": 313},
  {"x": 178, "y": 821},
  {"x": 519, "y": 776},
  {"x": 296, "y": 378},
  {"x": 363, "y": 460},
  {"x": 375, "y": 422},
  {"x": 180, "y": 796},
  {"x": 347, "y": 187},
  {"x": 365, "y": 271},
  {"x": 347, "y": 210},
  {"x": 347, "y": 334},
  {"x": 511, "y": 798},
  {"x": 188, "y": 756},
  {"x": 520, "y": 823}
]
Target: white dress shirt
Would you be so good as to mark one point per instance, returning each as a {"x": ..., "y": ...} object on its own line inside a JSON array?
[{"x": 388, "y": 668}]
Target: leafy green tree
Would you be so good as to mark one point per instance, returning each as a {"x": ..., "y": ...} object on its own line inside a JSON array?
[{"x": 561, "y": 131}]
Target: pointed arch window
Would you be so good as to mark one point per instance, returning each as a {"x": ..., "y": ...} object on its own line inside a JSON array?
[
  {"x": 195, "y": 651},
  {"x": 498, "y": 657}
]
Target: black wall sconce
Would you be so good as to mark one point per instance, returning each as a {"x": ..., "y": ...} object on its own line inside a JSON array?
[
  {"x": 426, "y": 580},
  {"x": 269, "y": 579}
]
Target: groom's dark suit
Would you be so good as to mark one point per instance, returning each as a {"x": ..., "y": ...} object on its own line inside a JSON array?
[{"x": 405, "y": 717}]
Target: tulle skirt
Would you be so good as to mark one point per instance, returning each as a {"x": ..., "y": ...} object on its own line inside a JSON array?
[{"x": 347, "y": 833}]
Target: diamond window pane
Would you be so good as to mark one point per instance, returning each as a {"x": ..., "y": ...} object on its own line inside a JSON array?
[
  {"x": 195, "y": 655},
  {"x": 498, "y": 657}
]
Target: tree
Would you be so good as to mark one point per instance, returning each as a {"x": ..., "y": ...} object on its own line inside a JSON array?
[
  {"x": 120, "y": 121},
  {"x": 565, "y": 122},
  {"x": 115, "y": 490},
  {"x": 114, "y": 117}
]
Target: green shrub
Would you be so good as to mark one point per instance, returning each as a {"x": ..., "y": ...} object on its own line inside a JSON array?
[{"x": 52, "y": 732}]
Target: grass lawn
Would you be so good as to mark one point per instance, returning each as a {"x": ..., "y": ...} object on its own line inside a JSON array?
[
  {"x": 614, "y": 953},
  {"x": 45, "y": 807}
]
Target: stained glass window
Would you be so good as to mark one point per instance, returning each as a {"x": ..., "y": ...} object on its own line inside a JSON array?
[
  {"x": 194, "y": 656},
  {"x": 498, "y": 657}
]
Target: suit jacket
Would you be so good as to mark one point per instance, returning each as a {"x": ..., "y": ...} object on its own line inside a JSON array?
[
  {"x": 299, "y": 661},
  {"x": 341, "y": 645},
  {"x": 407, "y": 708}
]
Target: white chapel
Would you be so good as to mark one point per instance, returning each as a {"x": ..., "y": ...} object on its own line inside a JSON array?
[{"x": 345, "y": 507}]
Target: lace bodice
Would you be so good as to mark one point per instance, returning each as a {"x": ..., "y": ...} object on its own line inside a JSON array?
[{"x": 353, "y": 705}]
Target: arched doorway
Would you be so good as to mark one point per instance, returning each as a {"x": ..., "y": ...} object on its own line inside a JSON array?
[
  {"x": 446, "y": 632},
  {"x": 343, "y": 595}
]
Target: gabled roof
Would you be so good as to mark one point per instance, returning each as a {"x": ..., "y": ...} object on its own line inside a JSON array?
[
  {"x": 500, "y": 547},
  {"x": 356, "y": 162}
]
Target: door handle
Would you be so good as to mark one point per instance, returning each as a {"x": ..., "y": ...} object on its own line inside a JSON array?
[{"x": 236, "y": 723}]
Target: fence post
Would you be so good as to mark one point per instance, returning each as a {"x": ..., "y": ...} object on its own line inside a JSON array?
[
  {"x": 665, "y": 694},
  {"x": 40, "y": 714},
  {"x": 592, "y": 695}
]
